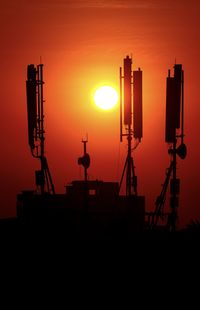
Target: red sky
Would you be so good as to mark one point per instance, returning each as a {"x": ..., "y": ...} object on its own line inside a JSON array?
[{"x": 82, "y": 44}]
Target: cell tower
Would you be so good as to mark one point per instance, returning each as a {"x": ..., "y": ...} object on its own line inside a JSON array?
[
  {"x": 130, "y": 119},
  {"x": 35, "y": 111},
  {"x": 174, "y": 133}
]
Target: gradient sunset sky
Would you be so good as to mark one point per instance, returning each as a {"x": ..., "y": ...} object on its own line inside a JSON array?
[{"x": 82, "y": 45}]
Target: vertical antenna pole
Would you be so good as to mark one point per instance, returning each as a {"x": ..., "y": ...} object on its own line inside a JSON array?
[
  {"x": 182, "y": 108},
  {"x": 120, "y": 76},
  {"x": 173, "y": 205},
  {"x": 129, "y": 167},
  {"x": 38, "y": 103},
  {"x": 85, "y": 168},
  {"x": 42, "y": 108},
  {"x": 41, "y": 121}
]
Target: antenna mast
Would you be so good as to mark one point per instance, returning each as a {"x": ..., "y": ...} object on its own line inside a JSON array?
[
  {"x": 174, "y": 131},
  {"x": 35, "y": 109},
  {"x": 130, "y": 120},
  {"x": 85, "y": 160}
]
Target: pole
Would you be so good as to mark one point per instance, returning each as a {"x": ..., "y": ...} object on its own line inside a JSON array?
[
  {"x": 41, "y": 122},
  {"x": 120, "y": 77},
  {"x": 129, "y": 166},
  {"x": 182, "y": 109},
  {"x": 173, "y": 202},
  {"x": 85, "y": 168}
]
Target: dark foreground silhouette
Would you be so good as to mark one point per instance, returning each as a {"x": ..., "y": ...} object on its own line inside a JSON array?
[{"x": 52, "y": 230}]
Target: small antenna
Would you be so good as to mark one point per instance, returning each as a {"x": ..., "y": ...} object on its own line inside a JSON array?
[
  {"x": 85, "y": 159},
  {"x": 86, "y": 139}
]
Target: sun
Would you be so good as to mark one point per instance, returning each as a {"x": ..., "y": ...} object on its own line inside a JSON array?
[{"x": 106, "y": 97}]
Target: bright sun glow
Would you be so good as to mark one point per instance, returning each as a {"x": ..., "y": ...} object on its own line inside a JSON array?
[{"x": 106, "y": 97}]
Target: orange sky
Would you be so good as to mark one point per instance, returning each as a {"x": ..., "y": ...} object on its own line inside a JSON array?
[{"x": 83, "y": 43}]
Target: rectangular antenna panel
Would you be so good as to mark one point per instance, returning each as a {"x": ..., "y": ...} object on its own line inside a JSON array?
[
  {"x": 170, "y": 126},
  {"x": 31, "y": 103},
  {"x": 127, "y": 91},
  {"x": 137, "y": 104},
  {"x": 178, "y": 83}
]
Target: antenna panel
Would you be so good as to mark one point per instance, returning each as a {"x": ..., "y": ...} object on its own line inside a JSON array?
[
  {"x": 31, "y": 103},
  {"x": 177, "y": 81},
  {"x": 127, "y": 91},
  {"x": 170, "y": 129},
  {"x": 137, "y": 104}
]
